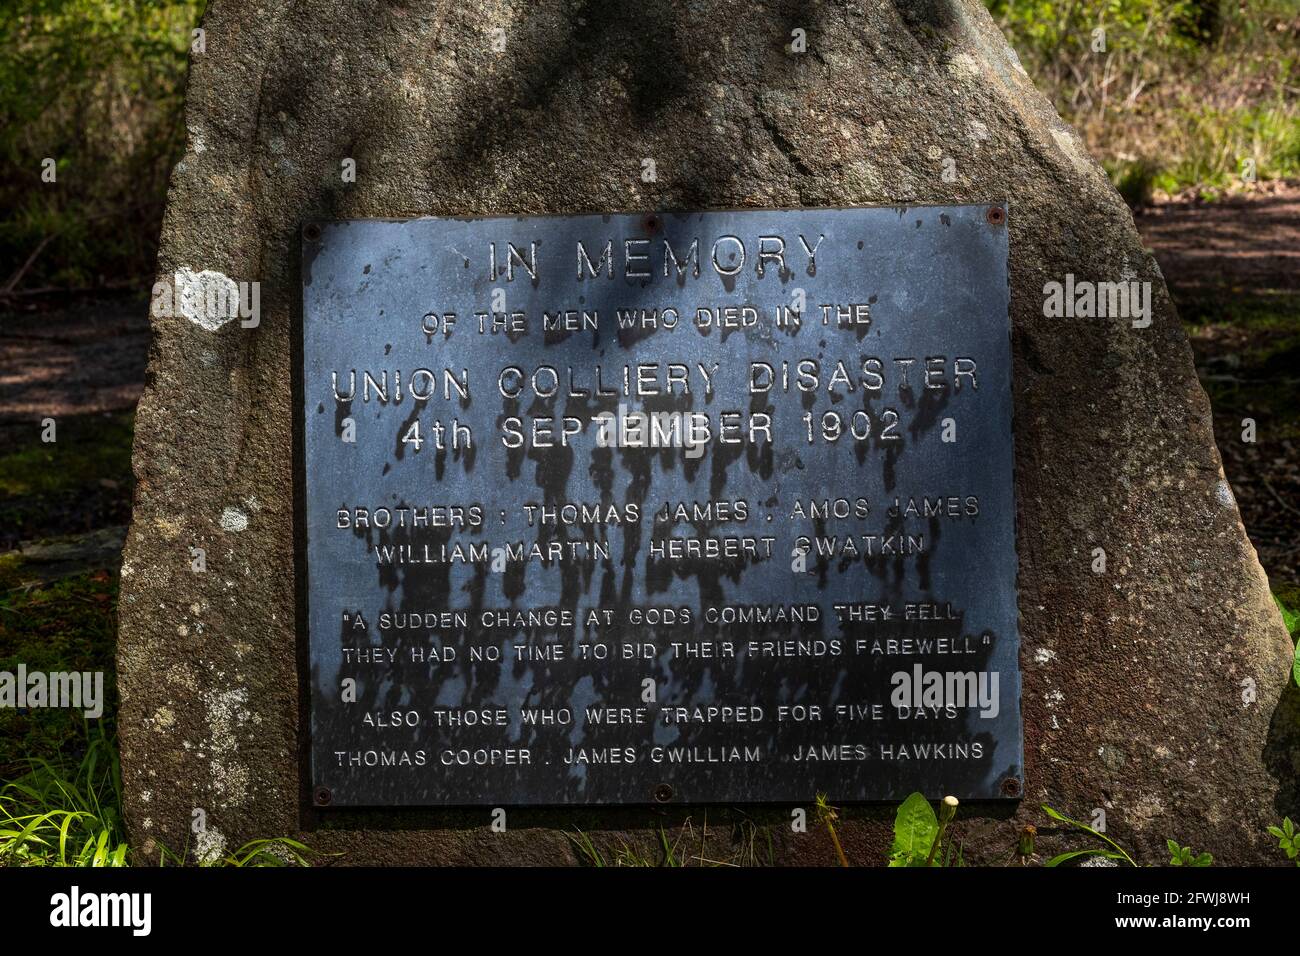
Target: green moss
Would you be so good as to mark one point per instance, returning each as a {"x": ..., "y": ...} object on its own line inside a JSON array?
[
  {"x": 1267, "y": 310},
  {"x": 1262, "y": 378},
  {"x": 11, "y": 565},
  {"x": 1287, "y": 596},
  {"x": 68, "y": 626},
  {"x": 90, "y": 448},
  {"x": 76, "y": 484}
]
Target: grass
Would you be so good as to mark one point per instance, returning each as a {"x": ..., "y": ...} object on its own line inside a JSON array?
[
  {"x": 1264, "y": 378},
  {"x": 50, "y": 817},
  {"x": 1209, "y": 149},
  {"x": 625, "y": 854},
  {"x": 274, "y": 852},
  {"x": 89, "y": 448},
  {"x": 69, "y": 625},
  {"x": 1135, "y": 179},
  {"x": 751, "y": 846},
  {"x": 1210, "y": 143},
  {"x": 67, "y": 812},
  {"x": 1168, "y": 109},
  {"x": 61, "y": 795},
  {"x": 79, "y": 482}
]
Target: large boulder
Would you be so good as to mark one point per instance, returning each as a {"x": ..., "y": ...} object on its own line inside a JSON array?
[{"x": 1156, "y": 690}]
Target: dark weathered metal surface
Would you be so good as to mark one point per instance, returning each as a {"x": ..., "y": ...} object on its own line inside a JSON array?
[{"x": 844, "y": 479}]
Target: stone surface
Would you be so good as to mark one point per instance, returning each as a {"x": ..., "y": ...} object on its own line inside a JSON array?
[{"x": 1157, "y": 690}]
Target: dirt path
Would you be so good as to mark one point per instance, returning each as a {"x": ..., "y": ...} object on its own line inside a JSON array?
[
  {"x": 83, "y": 366},
  {"x": 1233, "y": 267},
  {"x": 1243, "y": 244},
  {"x": 77, "y": 361}
]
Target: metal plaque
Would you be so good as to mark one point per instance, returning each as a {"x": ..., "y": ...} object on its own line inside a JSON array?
[{"x": 700, "y": 507}]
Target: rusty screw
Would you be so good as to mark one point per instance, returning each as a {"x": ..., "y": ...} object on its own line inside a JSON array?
[
  {"x": 650, "y": 222},
  {"x": 311, "y": 232},
  {"x": 663, "y": 793},
  {"x": 1011, "y": 787},
  {"x": 996, "y": 215},
  {"x": 323, "y": 796}
]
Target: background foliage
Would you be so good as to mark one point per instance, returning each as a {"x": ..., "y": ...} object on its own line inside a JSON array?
[
  {"x": 1183, "y": 92},
  {"x": 98, "y": 86}
]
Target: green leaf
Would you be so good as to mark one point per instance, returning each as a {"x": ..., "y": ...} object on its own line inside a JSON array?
[
  {"x": 915, "y": 827},
  {"x": 1290, "y": 618},
  {"x": 1120, "y": 853}
]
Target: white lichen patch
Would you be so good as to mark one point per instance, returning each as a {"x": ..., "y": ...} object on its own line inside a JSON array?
[
  {"x": 210, "y": 847},
  {"x": 1044, "y": 656},
  {"x": 182, "y": 677},
  {"x": 1069, "y": 144},
  {"x": 230, "y": 777},
  {"x": 208, "y": 299},
  {"x": 1142, "y": 811},
  {"x": 232, "y": 519},
  {"x": 169, "y": 528},
  {"x": 1223, "y": 494},
  {"x": 964, "y": 65},
  {"x": 1014, "y": 57}
]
